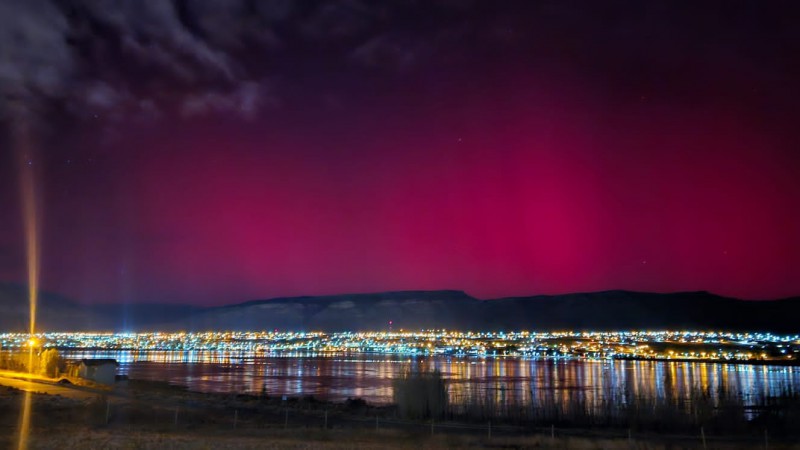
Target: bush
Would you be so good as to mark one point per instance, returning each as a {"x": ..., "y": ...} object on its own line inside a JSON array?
[
  {"x": 48, "y": 362},
  {"x": 51, "y": 363},
  {"x": 420, "y": 395}
]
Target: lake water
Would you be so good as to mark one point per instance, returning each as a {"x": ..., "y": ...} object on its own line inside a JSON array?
[{"x": 510, "y": 381}]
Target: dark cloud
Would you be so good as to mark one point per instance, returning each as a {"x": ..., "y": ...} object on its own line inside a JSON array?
[
  {"x": 232, "y": 25},
  {"x": 35, "y": 60},
  {"x": 142, "y": 60},
  {"x": 245, "y": 100},
  {"x": 133, "y": 59},
  {"x": 130, "y": 59},
  {"x": 339, "y": 19}
]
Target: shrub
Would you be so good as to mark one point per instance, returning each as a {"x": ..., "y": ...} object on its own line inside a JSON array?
[
  {"x": 48, "y": 362},
  {"x": 51, "y": 363},
  {"x": 420, "y": 395}
]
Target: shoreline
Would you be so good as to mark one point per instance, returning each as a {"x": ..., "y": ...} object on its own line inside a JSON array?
[
  {"x": 330, "y": 354},
  {"x": 748, "y": 362}
]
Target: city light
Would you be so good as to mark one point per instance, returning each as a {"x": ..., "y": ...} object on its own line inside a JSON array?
[{"x": 593, "y": 345}]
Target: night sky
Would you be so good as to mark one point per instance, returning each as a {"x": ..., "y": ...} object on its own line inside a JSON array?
[{"x": 209, "y": 152}]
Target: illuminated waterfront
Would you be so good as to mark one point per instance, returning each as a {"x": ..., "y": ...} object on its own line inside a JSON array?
[
  {"x": 507, "y": 381},
  {"x": 509, "y": 370},
  {"x": 659, "y": 345}
]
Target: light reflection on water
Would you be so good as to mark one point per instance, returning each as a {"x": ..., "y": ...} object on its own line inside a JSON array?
[{"x": 506, "y": 381}]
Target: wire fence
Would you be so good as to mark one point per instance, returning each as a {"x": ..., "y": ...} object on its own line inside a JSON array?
[{"x": 255, "y": 417}]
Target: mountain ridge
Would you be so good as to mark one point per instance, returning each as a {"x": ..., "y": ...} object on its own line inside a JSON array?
[{"x": 415, "y": 310}]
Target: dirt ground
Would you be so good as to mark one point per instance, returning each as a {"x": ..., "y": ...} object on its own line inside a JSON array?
[
  {"x": 339, "y": 439},
  {"x": 158, "y": 416}
]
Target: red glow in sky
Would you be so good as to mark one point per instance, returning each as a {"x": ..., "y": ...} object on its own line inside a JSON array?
[
  {"x": 537, "y": 199},
  {"x": 559, "y": 164}
]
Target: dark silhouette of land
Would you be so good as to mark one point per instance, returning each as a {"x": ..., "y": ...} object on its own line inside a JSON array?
[{"x": 415, "y": 310}]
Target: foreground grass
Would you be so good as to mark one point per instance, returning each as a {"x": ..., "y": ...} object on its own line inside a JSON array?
[
  {"x": 156, "y": 415},
  {"x": 347, "y": 439}
]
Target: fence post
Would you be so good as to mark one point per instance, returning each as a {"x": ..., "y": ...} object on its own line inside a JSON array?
[
  {"x": 766, "y": 440},
  {"x": 431, "y": 426},
  {"x": 108, "y": 410},
  {"x": 286, "y": 420},
  {"x": 703, "y": 436},
  {"x": 533, "y": 408},
  {"x": 235, "y": 417},
  {"x": 552, "y": 433},
  {"x": 176, "y": 415},
  {"x": 376, "y": 423},
  {"x": 326, "y": 420},
  {"x": 489, "y": 433}
]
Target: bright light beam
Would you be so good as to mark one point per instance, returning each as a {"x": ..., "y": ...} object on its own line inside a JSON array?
[
  {"x": 27, "y": 171},
  {"x": 27, "y": 175}
]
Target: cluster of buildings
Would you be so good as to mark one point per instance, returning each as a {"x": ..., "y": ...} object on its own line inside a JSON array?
[{"x": 691, "y": 345}]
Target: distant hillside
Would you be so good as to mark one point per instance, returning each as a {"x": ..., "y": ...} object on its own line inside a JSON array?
[
  {"x": 52, "y": 311},
  {"x": 414, "y": 310},
  {"x": 616, "y": 310},
  {"x": 406, "y": 309},
  {"x": 58, "y": 313}
]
